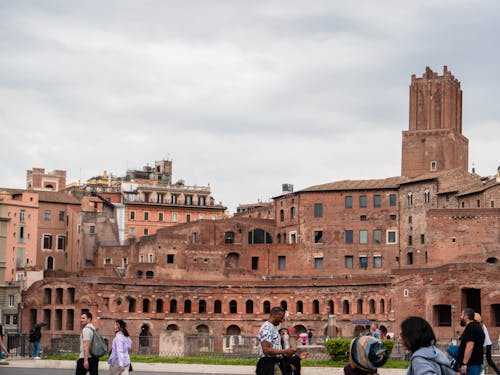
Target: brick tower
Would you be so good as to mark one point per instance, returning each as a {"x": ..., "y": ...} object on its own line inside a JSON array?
[{"x": 434, "y": 141}]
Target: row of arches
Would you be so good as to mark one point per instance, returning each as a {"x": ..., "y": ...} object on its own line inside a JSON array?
[{"x": 360, "y": 306}]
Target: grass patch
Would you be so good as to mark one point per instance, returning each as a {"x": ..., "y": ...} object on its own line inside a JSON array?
[{"x": 220, "y": 361}]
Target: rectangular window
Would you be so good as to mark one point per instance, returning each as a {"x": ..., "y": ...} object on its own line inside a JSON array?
[
  {"x": 392, "y": 236},
  {"x": 281, "y": 262},
  {"x": 188, "y": 218},
  {"x": 377, "y": 261},
  {"x": 47, "y": 215},
  {"x": 174, "y": 217},
  {"x": 92, "y": 229},
  {"x": 12, "y": 300},
  {"x": 318, "y": 263},
  {"x": 61, "y": 242},
  {"x": 363, "y": 236},
  {"x": 213, "y": 217},
  {"x": 22, "y": 216},
  {"x": 422, "y": 239},
  {"x": 377, "y": 236},
  {"x": 150, "y": 258},
  {"x": 173, "y": 199},
  {"x": 393, "y": 217},
  {"x": 348, "y": 202},
  {"x": 146, "y": 231},
  {"x": 21, "y": 233},
  {"x": 362, "y": 201},
  {"x": 146, "y": 216},
  {"x": 293, "y": 237},
  {"x": 189, "y": 199},
  {"x": 61, "y": 215},
  {"x": 124, "y": 262},
  {"x": 410, "y": 219},
  {"x": 362, "y": 218},
  {"x": 318, "y": 210},
  {"x": 410, "y": 240},
  {"x": 131, "y": 231},
  {"x": 363, "y": 262},
  {"x": 255, "y": 263},
  {"x": 170, "y": 258},
  {"x": 201, "y": 216},
  {"x": 160, "y": 216},
  {"x": 348, "y": 261},
  {"x": 132, "y": 215},
  {"x": 318, "y": 236},
  {"x": 348, "y": 236},
  {"x": 141, "y": 258},
  {"x": 377, "y": 201},
  {"x": 392, "y": 200},
  {"x": 47, "y": 241},
  {"x": 202, "y": 200}
]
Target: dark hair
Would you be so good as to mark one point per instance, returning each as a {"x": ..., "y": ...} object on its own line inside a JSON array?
[
  {"x": 123, "y": 327},
  {"x": 88, "y": 314},
  {"x": 359, "y": 330},
  {"x": 417, "y": 333},
  {"x": 277, "y": 309},
  {"x": 469, "y": 313}
]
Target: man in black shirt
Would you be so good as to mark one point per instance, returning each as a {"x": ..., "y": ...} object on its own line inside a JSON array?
[{"x": 470, "y": 352}]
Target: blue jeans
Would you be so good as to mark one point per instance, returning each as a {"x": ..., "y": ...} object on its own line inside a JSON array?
[
  {"x": 36, "y": 349},
  {"x": 474, "y": 369}
]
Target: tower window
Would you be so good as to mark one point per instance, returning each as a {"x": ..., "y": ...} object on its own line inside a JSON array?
[{"x": 434, "y": 165}]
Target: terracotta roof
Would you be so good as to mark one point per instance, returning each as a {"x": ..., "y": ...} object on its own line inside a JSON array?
[
  {"x": 56, "y": 197},
  {"x": 478, "y": 188},
  {"x": 387, "y": 183}
]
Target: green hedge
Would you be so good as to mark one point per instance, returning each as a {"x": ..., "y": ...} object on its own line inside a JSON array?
[{"x": 338, "y": 349}]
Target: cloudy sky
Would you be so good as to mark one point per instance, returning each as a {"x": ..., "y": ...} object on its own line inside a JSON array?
[{"x": 244, "y": 95}]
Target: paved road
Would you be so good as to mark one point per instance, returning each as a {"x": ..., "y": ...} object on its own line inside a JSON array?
[{"x": 7, "y": 370}]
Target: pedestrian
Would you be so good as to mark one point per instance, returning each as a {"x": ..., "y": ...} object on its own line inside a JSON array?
[
  {"x": 375, "y": 332},
  {"x": 34, "y": 337},
  {"x": 292, "y": 363},
  {"x": 359, "y": 330},
  {"x": 366, "y": 355},
  {"x": 270, "y": 350},
  {"x": 470, "y": 350},
  {"x": 487, "y": 344},
  {"x": 119, "y": 359},
  {"x": 3, "y": 350},
  {"x": 309, "y": 336},
  {"x": 418, "y": 337},
  {"x": 86, "y": 362}
]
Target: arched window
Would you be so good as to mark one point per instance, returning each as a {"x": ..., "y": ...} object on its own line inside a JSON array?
[
  {"x": 331, "y": 307},
  {"x": 345, "y": 307},
  {"x": 131, "y": 304},
  {"x": 278, "y": 238},
  {"x": 229, "y": 237},
  {"x": 232, "y": 260},
  {"x": 217, "y": 307},
  {"x": 410, "y": 199},
  {"x": 282, "y": 215},
  {"x": 299, "y": 306},
  {"x": 427, "y": 196},
  {"x": 202, "y": 306},
  {"x": 145, "y": 305},
  {"x": 292, "y": 212},
  {"x": 233, "y": 307},
  {"x": 50, "y": 263},
  {"x": 233, "y": 330},
  {"x": 315, "y": 306},
  {"x": 284, "y": 305},
  {"x": 202, "y": 329},
  {"x": 360, "y": 306},
  {"x": 139, "y": 274},
  {"x": 249, "y": 307},
  {"x": 173, "y": 306},
  {"x": 267, "y": 307},
  {"x": 382, "y": 306},
  {"x": 371, "y": 305},
  {"x": 172, "y": 327},
  {"x": 257, "y": 236},
  {"x": 159, "y": 305},
  {"x": 149, "y": 274},
  {"x": 187, "y": 306}
]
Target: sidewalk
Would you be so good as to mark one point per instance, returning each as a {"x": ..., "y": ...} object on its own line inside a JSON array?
[{"x": 180, "y": 367}]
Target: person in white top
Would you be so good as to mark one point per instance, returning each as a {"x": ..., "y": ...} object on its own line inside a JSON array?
[{"x": 487, "y": 344}]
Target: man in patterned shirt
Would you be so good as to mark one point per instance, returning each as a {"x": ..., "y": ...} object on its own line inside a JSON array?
[{"x": 270, "y": 351}]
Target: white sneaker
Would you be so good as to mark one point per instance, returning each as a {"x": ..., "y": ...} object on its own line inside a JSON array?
[
  {"x": 4, "y": 362},
  {"x": 37, "y": 358}
]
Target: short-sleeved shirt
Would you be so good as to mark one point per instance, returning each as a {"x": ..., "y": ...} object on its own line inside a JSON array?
[
  {"x": 86, "y": 334},
  {"x": 473, "y": 332},
  {"x": 269, "y": 333}
]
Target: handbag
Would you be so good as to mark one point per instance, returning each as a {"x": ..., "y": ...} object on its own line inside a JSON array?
[{"x": 130, "y": 369}]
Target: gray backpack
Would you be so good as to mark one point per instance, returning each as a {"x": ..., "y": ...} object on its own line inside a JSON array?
[{"x": 98, "y": 346}]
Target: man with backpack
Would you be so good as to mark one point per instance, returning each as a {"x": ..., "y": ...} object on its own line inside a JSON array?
[{"x": 87, "y": 362}]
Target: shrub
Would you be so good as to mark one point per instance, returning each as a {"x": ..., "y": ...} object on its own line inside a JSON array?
[{"x": 338, "y": 349}]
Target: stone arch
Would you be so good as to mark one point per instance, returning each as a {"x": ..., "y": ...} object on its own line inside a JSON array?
[
  {"x": 371, "y": 306},
  {"x": 232, "y": 260},
  {"x": 202, "y": 329},
  {"x": 233, "y": 330},
  {"x": 172, "y": 327},
  {"x": 345, "y": 307}
]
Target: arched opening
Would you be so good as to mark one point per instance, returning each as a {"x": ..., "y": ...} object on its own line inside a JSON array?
[
  {"x": 159, "y": 305},
  {"x": 145, "y": 305},
  {"x": 149, "y": 274},
  {"x": 284, "y": 305},
  {"x": 229, "y": 237},
  {"x": 232, "y": 260},
  {"x": 299, "y": 307},
  {"x": 202, "y": 329},
  {"x": 371, "y": 306},
  {"x": 131, "y": 304},
  {"x": 266, "y": 307},
  {"x": 187, "y": 306},
  {"x": 145, "y": 336},
  {"x": 50, "y": 263},
  {"x": 173, "y": 305},
  {"x": 172, "y": 327},
  {"x": 233, "y": 330},
  {"x": 345, "y": 307},
  {"x": 382, "y": 306},
  {"x": 492, "y": 260},
  {"x": 315, "y": 306},
  {"x": 359, "y": 306},
  {"x": 202, "y": 306},
  {"x": 249, "y": 307},
  {"x": 138, "y": 274},
  {"x": 331, "y": 307},
  {"x": 217, "y": 307},
  {"x": 233, "y": 307}
]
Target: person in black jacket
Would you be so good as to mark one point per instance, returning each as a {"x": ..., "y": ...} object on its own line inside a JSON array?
[{"x": 35, "y": 336}]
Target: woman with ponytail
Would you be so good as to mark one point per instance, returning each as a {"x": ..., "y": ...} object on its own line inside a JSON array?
[{"x": 119, "y": 359}]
